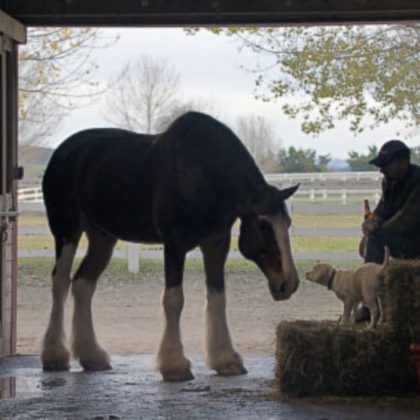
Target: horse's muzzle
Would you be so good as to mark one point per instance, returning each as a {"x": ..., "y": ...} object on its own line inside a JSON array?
[{"x": 285, "y": 291}]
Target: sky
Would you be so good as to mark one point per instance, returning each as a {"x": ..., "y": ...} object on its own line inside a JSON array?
[{"x": 210, "y": 69}]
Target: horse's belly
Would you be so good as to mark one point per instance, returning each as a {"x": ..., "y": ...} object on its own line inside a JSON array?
[{"x": 127, "y": 224}]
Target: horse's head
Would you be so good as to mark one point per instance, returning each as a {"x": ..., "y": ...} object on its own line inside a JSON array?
[{"x": 264, "y": 239}]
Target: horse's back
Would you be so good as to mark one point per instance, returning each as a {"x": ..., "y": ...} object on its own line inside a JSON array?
[
  {"x": 99, "y": 141},
  {"x": 192, "y": 177},
  {"x": 197, "y": 146},
  {"x": 94, "y": 173},
  {"x": 91, "y": 153}
]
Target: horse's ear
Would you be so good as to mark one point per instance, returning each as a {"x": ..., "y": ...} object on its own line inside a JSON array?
[
  {"x": 288, "y": 192},
  {"x": 270, "y": 198}
]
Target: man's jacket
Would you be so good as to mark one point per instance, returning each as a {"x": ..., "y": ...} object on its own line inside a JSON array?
[{"x": 398, "y": 211}]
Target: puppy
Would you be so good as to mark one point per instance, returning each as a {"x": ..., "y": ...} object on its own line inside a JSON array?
[{"x": 353, "y": 287}]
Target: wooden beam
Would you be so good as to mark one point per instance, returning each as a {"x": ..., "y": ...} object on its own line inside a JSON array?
[
  {"x": 12, "y": 28},
  {"x": 208, "y": 12}
]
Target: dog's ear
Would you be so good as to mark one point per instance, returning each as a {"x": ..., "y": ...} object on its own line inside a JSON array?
[
  {"x": 331, "y": 274},
  {"x": 330, "y": 270}
]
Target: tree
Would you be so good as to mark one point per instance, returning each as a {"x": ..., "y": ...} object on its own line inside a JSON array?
[
  {"x": 141, "y": 94},
  {"x": 359, "y": 161},
  {"x": 56, "y": 75},
  {"x": 258, "y": 135},
  {"x": 415, "y": 155},
  {"x": 366, "y": 75},
  {"x": 302, "y": 160}
]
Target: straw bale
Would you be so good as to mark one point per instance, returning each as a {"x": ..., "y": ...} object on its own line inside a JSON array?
[
  {"x": 400, "y": 296},
  {"x": 322, "y": 358},
  {"x": 325, "y": 358}
]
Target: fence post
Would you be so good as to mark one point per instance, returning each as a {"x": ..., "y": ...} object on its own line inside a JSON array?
[
  {"x": 324, "y": 194},
  {"x": 344, "y": 197},
  {"x": 133, "y": 256},
  {"x": 311, "y": 195}
]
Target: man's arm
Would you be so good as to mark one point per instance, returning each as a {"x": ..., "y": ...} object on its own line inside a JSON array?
[
  {"x": 379, "y": 212},
  {"x": 405, "y": 218}
]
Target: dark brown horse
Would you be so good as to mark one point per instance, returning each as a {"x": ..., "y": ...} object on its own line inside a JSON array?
[{"x": 183, "y": 188}]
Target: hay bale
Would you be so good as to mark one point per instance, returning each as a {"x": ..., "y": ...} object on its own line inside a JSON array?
[
  {"x": 322, "y": 358},
  {"x": 400, "y": 296},
  {"x": 300, "y": 354}
]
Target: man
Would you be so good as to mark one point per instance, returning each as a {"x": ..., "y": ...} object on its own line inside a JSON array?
[{"x": 396, "y": 219}]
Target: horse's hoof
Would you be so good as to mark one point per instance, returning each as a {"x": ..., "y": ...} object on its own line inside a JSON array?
[
  {"x": 91, "y": 364},
  {"x": 177, "y": 376},
  {"x": 231, "y": 366},
  {"x": 55, "y": 365},
  {"x": 96, "y": 360},
  {"x": 231, "y": 369},
  {"x": 57, "y": 359},
  {"x": 174, "y": 367}
]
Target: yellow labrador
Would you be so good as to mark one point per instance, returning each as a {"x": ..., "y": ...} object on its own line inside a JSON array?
[{"x": 353, "y": 287}]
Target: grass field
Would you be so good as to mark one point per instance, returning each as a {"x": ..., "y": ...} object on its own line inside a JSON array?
[
  {"x": 299, "y": 220},
  {"x": 327, "y": 220},
  {"x": 33, "y": 219},
  {"x": 36, "y": 271},
  {"x": 47, "y": 242},
  {"x": 299, "y": 243}
]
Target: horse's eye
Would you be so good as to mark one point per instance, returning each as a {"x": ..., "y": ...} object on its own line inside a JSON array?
[
  {"x": 264, "y": 225},
  {"x": 266, "y": 229}
]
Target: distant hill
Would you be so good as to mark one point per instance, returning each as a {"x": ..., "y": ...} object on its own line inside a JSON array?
[{"x": 338, "y": 165}]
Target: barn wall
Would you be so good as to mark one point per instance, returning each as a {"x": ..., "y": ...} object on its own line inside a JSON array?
[
  {"x": 205, "y": 12},
  {"x": 11, "y": 32},
  {"x": 8, "y": 308}
]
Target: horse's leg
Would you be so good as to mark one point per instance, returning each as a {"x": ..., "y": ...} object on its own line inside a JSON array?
[
  {"x": 84, "y": 344},
  {"x": 171, "y": 362},
  {"x": 55, "y": 355},
  {"x": 221, "y": 356}
]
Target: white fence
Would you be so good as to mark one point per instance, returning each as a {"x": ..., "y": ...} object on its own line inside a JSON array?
[
  {"x": 30, "y": 195},
  {"x": 34, "y": 195},
  {"x": 324, "y": 176},
  {"x": 342, "y": 195}
]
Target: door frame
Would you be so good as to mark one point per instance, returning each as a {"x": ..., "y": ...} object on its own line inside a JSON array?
[{"x": 12, "y": 33}]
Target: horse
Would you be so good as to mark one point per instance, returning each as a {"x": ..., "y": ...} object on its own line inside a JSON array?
[{"x": 183, "y": 188}]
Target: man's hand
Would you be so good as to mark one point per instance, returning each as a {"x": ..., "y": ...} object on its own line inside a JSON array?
[{"x": 369, "y": 226}]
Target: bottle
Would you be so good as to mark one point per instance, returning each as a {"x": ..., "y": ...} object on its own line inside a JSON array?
[
  {"x": 367, "y": 211},
  {"x": 368, "y": 215}
]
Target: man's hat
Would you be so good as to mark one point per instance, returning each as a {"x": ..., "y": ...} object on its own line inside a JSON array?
[{"x": 391, "y": 150}]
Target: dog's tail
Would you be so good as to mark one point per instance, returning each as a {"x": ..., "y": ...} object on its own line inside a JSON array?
[{"x": 386, "y": 257}]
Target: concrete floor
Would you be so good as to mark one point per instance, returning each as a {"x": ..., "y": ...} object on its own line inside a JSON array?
[{"x": 133, "y": 390}]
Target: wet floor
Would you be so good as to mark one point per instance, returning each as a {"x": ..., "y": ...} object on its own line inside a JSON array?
[{"x": 133, "y": 390}]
